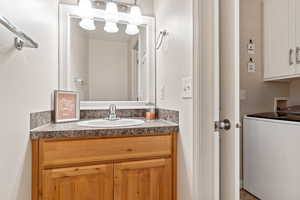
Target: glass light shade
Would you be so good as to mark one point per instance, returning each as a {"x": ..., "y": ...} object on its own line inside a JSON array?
[
  {"x": 87, "y": 24},
  {"x": 132, "y": 29},
  {"x": 135, "y": 15},
  {"x": 85, "y": 7},
  {"x": 111, "y": 27},
  {"x": 111, "y": 12}
]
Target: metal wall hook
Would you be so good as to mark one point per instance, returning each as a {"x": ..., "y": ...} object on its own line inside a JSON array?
[{"x": 160, "y": 39}]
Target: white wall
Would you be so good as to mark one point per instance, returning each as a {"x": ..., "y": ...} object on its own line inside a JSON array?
[
  {"x": 146, "y": 6},
  {"x": 108, "y": 69},
  {"x": 27, "y": 79},
  {"x": 79, "y": 59},
  {"x": 174, "y": 61}
]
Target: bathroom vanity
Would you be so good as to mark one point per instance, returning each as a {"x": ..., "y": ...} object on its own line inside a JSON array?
[
  {"x": 72, "y": 162},
  {"x": 80, "y": 161}
]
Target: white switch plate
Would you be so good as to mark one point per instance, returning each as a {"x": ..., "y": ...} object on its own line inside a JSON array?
[{"x": 187, "y": 87}]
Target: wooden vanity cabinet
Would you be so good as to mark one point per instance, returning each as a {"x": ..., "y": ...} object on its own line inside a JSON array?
[
  {"x": 125, "y": 168},
  {"x": 78, "y": 183},
  {"x": 146, "y": 180}
]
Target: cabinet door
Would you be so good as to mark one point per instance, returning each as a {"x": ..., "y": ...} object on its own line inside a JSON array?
[
  {"x": 79, "y": 183},
  {"x": 279, "y": 39},
  {"x": 297, "y": 23},
  {"x": 144, "y": 180}
]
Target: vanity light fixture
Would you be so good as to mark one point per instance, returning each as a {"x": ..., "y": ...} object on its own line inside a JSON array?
[
  {"x": 132, "y": 29},
  {"x": 135, "y": 15},
  {"x": 85, "y": 9},
  {"x": 111, "y": 17},
  {"x": 87, "y": 24},
  {"x": 135, "y": 19},
  {"x": 111, "y": 27}
]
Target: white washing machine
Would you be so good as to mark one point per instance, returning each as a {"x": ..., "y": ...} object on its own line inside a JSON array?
[{"x": 271, "y": 157}]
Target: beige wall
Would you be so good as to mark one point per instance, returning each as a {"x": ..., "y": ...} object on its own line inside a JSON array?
[
  {"x": 174, "y": 61},
  {"x": 27, "y": 79},
  {"x": 294, "y": 98},
  {"x": 259, "y": 94}
]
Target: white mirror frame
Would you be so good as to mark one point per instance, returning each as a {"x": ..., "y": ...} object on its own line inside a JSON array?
[{"x": 66, "y": 12}]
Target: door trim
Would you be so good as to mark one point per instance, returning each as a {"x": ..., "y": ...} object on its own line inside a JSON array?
[{"x": 205, "y": 63}]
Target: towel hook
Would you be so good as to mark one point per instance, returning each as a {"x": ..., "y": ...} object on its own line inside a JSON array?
[{"x": 160, "y": 39}]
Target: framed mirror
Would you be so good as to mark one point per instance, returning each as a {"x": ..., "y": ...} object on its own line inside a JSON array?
[{"x": 106, "y": 67}]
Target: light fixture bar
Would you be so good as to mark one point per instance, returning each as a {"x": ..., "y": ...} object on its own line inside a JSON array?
[
  {"x": 111, "y": 15},
  {"x": 117, "y": 2}
]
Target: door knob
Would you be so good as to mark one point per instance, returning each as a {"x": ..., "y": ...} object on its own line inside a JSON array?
[{"x": 223, "y": 125}]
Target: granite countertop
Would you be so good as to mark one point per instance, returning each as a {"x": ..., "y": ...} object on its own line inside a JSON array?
[{"x": 73, "y": 130}]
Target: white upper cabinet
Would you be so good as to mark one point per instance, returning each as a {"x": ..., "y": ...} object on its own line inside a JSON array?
[
  {"x": 280, "y": 40},
  {"x": 297, "y": 34}
]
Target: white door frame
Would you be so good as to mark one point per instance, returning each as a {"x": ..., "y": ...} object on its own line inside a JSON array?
[{"x": 205, "y": 66}]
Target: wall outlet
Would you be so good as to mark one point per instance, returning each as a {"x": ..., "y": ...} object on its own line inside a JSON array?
[
  {"x": 251, "y": 46},
  {"x": 187, "y": 87}
]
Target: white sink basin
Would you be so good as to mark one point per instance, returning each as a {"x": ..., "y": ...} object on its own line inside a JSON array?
[{"x": 103, "y": 123}]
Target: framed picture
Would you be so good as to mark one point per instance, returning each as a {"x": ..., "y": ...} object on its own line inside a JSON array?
[{"x": 67, "y": 106}]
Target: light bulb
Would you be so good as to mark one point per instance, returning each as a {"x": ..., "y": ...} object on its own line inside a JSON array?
[
  {"x": 135, "y": 15},
  {"x": 111, "y": 12},
  {"x": 111, "y": 27},
  {"x": 87, "y": 24},
  {"x": 85, "y": 8},
  {"x": 132, "y": 29}
]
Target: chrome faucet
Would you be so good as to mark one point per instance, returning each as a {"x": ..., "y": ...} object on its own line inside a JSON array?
[{"x": 112, "y": 112}]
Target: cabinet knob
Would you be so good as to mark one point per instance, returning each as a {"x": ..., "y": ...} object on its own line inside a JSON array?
[
  {"x": 291, "y": 53},
  {"x": 297, "y": 55}
]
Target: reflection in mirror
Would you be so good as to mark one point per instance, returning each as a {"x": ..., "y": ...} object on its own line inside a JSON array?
[{"x": 107, "y": 66}]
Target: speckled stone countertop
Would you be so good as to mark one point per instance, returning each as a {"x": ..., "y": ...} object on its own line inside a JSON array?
[{"x": 73, "y": 130}]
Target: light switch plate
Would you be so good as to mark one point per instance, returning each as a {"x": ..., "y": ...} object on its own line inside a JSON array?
[{"x": 187, "y": 87}]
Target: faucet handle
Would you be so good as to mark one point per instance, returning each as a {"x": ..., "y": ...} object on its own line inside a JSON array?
[
  {"x": 112, "y": 108},
  {"x": 112, "y": 112}
]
